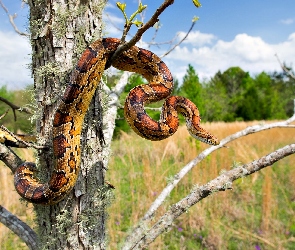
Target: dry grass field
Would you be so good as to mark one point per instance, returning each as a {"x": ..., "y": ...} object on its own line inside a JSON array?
[{"x": 257, "y": 214}]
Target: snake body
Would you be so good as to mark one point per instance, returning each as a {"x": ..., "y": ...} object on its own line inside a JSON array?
[{"x": 69, "y": 117}]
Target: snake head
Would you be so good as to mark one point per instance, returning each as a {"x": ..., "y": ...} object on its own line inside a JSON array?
[
  {"x": 211, "y": 140},
  {"x": 208, "y": 139},
  {"x": 201, "y": 134}
]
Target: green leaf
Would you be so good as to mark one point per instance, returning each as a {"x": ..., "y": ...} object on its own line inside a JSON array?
[
  {"x": 195, "y": 18},
  {"x": 137, "y": 23},
  {"x": 141, "y": 7},
  {"x": 121, "y": 6},
  {"x": 197, "y": 3}
]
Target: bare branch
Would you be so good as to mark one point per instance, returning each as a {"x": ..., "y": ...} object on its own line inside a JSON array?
[
  {"x": 5, "y": 113},
  {"x": 9, "y": 158},
  {"x": 112, "y": 107},
  {"x": 14, "y": 107},
  {"x": 15, "y": 140},
  {"x": 154, "y": 109},
  {"x": 249, "y": 130},
  {"x": 157, "y": 27},
  {"x": 186, "y": 35},
  {"x": 139, "y": 33},
  {"x": 221, "y": 183},
  {"x": 11, "y": 20},
  {"x": 289, "y": 72},
  {"x": 138, "y": 231},
  {"x": 152, "y": 42},
  {"x": 110, "y": 20},
  {"x": 19, "y": 228}
]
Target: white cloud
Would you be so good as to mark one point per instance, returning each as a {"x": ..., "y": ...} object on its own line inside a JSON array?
[
  {"x": 111, "y": 6},
  {"x": 113, "y": 18},
  {"x": 15, "y": 57},
  {"x": 250, "y": 53},
  {"x": 287, "y": 21},
  {"x": 196, "y": 38},
  {"x": 285, "y": 50},
  {"x": 114, "y": 25}
]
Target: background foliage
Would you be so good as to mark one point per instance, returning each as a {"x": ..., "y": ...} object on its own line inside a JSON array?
[
  {"x": 232, "y": 95},
  {"x": 20, "y": 98}
]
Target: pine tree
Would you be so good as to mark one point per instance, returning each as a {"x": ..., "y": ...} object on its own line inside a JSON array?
[{"x": 191, "y": 88}]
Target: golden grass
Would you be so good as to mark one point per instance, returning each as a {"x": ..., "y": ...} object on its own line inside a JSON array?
[
  {"x": 250, "y": 214},
  {"x": 158, "y": 160}
]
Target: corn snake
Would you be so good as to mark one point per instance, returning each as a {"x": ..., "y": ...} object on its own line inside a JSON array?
[{"x": 69, "y": 117}]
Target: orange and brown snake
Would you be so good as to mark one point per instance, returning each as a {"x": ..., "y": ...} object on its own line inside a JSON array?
[{"x": 69, "y": 116}]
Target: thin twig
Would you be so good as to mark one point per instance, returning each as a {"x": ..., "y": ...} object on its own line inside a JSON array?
[
  {"x": 289, "y": 72},
  {"x": 9, "y": 158},
  {"x": 186, "y": 35},
  {"x": 153, "y": 109},
  {"x": 152, "y": 41},
  {"x": 14, "y": 107},
  {"x": 157, "y": 27},
  {"x": 140, "y": 31},
  {"x": 20, "y": 141},
  {"x": 11, "y": 20},
  {"x": 110, "y": 20},
  {"x": 6, "y": 112}
]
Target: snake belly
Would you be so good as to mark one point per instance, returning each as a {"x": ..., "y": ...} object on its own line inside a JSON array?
[{"x": 69, "y": 116}]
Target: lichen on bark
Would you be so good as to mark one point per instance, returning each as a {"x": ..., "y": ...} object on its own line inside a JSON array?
[{"x": 61, "y": 30}]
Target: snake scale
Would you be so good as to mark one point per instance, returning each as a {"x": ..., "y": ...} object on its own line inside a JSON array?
[{"x": 69, "y": 116}]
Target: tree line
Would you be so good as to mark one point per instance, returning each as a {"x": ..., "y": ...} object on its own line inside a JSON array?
[{"x": 232, "y": 95}]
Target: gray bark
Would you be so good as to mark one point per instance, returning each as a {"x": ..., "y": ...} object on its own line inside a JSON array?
[{"x": 60, "y": 31}]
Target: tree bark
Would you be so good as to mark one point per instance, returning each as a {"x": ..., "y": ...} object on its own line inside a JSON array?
[{"x": 60, "y": 31}]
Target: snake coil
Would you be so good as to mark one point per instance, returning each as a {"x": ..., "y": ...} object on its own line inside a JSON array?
[{"x": 69, "y": 117}]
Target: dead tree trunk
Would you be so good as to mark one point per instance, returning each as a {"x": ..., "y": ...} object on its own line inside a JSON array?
[{"x": 60, "y": 31}]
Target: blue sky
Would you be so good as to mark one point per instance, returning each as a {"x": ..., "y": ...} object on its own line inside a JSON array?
[{"x": 229, "y": 33}]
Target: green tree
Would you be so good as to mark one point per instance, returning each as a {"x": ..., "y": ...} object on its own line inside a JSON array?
[
  {"x": 224, "y": 94},
  {"x": 250, "y": 106},
  {"x": 176, "y": 86},
  {"x": 235, "y": 95},
  {"x": 8, "y": 95},
  {"x": 15, "y": 120},
  {"x": 235, "y": 81},
  {"x": 215, "y": 100},
  {"x": 272, "y": 106},
  {"x": 285, "y": 86},
  {"x": 191, "y": 88}
]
